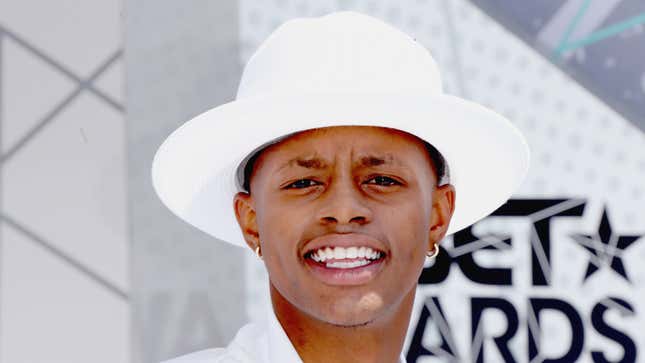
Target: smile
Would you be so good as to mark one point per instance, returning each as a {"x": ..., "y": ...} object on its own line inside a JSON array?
[
  {"x": 347, "y": 265},
  {"x": 344, "y": 257}
]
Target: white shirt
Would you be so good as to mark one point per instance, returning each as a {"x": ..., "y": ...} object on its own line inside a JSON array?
[{"x": 264, "y": 342}]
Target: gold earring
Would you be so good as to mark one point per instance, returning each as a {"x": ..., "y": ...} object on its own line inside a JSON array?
[
  {"x": 258, "y": 252},
  {"x": 434, "y": 253}
]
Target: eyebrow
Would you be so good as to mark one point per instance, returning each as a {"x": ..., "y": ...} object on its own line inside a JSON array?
[
  {"x": 309, "y": 163},
  {"x": 366, "y": 161},
  {"x": 371, "y": 161}
]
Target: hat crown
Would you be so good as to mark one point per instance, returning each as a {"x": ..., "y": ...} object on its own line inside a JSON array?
[{"x": 339, "y": 52}]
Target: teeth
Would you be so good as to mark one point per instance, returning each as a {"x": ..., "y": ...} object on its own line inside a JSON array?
[
  {"x": 347, "y": 264},
  {"x": 339, "y": 253},
  {"x": 329, "y": 254}
]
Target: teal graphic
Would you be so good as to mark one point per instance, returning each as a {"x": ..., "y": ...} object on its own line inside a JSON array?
[{"x": 600, "y": 43}]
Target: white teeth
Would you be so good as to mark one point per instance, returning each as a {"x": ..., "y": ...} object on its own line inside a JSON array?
[
  {"x": 339, "y": 253},
  {"x": 329, "y": 254},
  {"x": 316, "y": 256},
  {"x": 347, "y": 264}
]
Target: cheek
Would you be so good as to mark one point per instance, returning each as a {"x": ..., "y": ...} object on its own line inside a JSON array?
[
  {"x": 409, "y": 226},
  {"x": 278, "y": 220},
  {"x": 280, "y": 227}
]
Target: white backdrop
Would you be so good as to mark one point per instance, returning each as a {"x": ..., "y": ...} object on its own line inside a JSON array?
[{"x": 583, "y": 154}]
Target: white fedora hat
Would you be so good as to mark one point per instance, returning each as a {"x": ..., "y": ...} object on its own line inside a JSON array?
[{"x": 344, "y": 68}]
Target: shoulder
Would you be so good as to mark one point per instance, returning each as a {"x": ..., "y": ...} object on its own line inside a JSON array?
[
  {"x": 214, "y": 355},
  {"x": 244, "y": 348},
  {"x": 202, "y": 356}
]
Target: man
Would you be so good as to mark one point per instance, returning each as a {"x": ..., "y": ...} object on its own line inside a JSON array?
[{"x": 344, "y": 160}]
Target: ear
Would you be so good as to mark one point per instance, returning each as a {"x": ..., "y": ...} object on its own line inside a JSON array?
[
  {"x": 245, "y": 214},
  {"x": 443, "y": 206}
]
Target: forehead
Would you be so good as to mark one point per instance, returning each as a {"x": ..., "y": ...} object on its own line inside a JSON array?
[
  {"x": 369, "y": 146},
  {"x": 363, "y": 142}
]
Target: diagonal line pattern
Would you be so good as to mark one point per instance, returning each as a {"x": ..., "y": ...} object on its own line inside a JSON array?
[
  {"x": 444, "y": 328},
  {"x": 478, "y": 342},
  {"x": 611, "y": 304},
  {"x": 604, "y": 33},
  {"x": 572, "y": 26},
  {"x": 534, "y": 331},
  {"x": 555, "y": 209},
  {"x": 64, "y": 257},
  {"x": 62, "y": 69},
  {"x": 480, "y": 243},
  {"x": 83, "y": 85}
]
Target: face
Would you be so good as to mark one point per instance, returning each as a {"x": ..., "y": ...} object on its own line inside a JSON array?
[{"x": 344, "y": 217}]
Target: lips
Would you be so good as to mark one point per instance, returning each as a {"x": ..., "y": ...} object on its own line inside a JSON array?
[{"x": 345, "y": 259}]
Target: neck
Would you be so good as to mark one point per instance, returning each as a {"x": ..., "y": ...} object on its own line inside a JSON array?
[{"x": 379, "y": 341}]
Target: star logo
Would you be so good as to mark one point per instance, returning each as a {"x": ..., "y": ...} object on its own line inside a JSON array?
[{"x": 605, "y": 247}]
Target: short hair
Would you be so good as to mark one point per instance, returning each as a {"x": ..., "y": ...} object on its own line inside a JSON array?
[
  {"x": 439, "y": 164},
  {"x": 245, "y": 169}
]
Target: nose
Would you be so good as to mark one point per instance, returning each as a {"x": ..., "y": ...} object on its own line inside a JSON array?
[{"x": 344, "y": 204}]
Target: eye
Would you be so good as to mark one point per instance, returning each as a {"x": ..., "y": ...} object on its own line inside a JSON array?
[
  {"x": 301, "y": 183},
  {"x": 382, "y": 180}
]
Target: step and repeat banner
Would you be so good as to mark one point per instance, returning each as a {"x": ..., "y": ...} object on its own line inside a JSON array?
[
  {"x": 541, "y": 279},
  {"x": 601, "y": 44},
  {"x": 556, "y": 274}
]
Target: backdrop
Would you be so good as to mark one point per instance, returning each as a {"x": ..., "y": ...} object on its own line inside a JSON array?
[{"x": 94, "y": 269}]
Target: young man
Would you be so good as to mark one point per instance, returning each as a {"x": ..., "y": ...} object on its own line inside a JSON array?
[{"x": 346, "y": 165}]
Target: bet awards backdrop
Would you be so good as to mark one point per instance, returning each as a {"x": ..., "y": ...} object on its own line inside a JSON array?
[
  {"x": 557, "y": 273},
  {"x": 534, "y": 283}
]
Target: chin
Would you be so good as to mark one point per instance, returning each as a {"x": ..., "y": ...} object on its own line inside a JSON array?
[
  {"x": 350, "y": 320},
  {"x": 355, "y": 312},
  {"x": 351, "y": 324}
]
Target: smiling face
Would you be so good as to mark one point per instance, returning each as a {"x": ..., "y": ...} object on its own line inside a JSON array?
[{"x": 344, "y": 217}]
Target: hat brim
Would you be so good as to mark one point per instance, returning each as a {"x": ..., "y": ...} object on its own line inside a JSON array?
[{"x": 194, "y": 170}]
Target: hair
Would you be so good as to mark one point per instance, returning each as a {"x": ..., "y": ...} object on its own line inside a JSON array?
[
  {"x": 439, "y": 165},
  {"x": 245, "y": 170}
]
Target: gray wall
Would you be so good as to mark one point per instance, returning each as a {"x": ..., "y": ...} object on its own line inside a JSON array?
[
  {"x": 64, "y": 247},
  {"x": 181, "y": 59}
]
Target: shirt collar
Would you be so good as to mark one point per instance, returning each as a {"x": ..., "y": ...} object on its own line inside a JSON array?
[{"x": 280, "y": 348}]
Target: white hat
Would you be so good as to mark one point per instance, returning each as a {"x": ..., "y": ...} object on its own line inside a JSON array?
[{"x": 344, "y": 68}]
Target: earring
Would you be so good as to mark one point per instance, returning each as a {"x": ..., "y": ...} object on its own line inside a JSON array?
[
  {"x": 434, "y": 253},
  {"x": 258, "y": 252}
]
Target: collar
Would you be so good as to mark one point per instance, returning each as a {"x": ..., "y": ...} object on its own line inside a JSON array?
[{"x": 280, "y": 348}]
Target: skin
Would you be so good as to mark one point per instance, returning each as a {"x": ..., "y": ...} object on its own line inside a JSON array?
[{"x": 366, "y": 181}]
